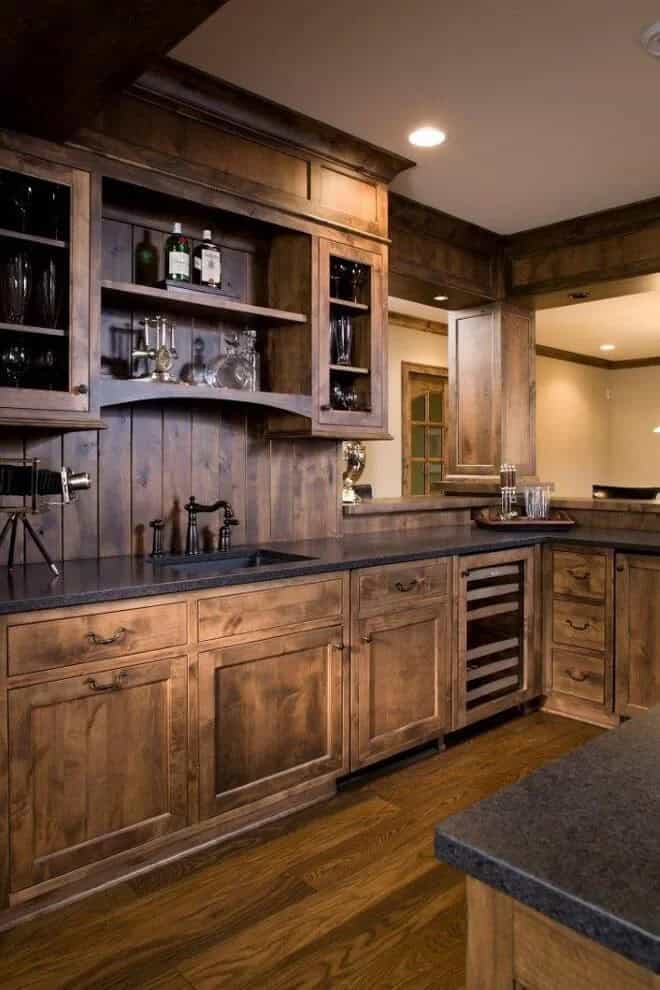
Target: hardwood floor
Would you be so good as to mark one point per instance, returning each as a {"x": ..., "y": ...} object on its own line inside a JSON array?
[{"x": 343, "y": 895}]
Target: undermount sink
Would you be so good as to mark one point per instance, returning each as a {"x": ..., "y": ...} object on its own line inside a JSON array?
[{"x": 234, "y": 560}]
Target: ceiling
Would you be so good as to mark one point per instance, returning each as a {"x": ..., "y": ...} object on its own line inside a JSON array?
[
  {"x": 632, "y": 323},
  {"x": 550, "y": 109}
]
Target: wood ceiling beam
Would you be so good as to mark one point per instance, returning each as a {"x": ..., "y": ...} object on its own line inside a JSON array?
[{"x": 62, "y": 59}]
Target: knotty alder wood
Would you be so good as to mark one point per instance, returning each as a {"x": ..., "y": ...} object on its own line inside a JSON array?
[
  {"x": 348, "y": 891},
  {"x": 511, "y": 946},
  {"x": 395, "y": 585},
  {"x": 637, "y": 633}
]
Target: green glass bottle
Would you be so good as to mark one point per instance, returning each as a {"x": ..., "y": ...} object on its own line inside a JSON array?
[
  {"x": 177, "y": 256},
  {"x": 146, "y": 261}
]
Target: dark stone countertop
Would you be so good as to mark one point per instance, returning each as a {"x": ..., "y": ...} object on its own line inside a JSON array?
[
  {"x": 577, "y": 840},
  {"x": 33, "y": 587}
]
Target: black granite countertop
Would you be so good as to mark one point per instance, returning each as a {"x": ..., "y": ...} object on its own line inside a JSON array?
[
  {"x": 578, "y": 840},
  {"x": 113, "y": 578}
]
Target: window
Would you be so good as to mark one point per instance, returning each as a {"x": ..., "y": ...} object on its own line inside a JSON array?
[{"x": 424, "y": 428}]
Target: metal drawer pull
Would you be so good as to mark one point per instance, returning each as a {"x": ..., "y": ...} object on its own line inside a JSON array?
[
  {"x": 367, "y": 639},
  {"x": 117, "y": 635},
  {"x": 407, "y": 587},
  {"x": 579, "y": 575},
  {"x": 577, "y": 675},
  {"x": 115, "y": 684},
  {"x": 583, "y": 628}
]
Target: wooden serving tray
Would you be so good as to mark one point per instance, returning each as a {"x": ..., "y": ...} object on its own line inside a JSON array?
[{"x": 489, "y": 518}]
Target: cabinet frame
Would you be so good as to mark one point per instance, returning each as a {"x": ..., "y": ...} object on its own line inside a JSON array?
[{"x": 624, "y": 654}]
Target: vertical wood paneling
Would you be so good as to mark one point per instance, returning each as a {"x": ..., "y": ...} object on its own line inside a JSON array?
[
  {"x": 233, "y": 467},
  {"x": 11, "y": 447},
  {"x": 115, "y": 522},
  {"x": 176, "y": 476},
  {"x": 80, "y": 522},
  {"x": 257, "y": 482},
  {"x": 48, "y": 524},
  {"x": 146, "y": 474},
  {"x": 203, "y": 480}
]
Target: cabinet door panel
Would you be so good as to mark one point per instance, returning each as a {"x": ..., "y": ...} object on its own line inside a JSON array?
[
  {"x": 98, "y": 765},
  {"x": 271, "y": 717},
  {"x": 401, "y": 681},
  {"x": 637, "y": 634}
]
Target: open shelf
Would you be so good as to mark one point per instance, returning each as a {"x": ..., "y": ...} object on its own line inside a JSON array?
[
  {"x": 191, "y": 301},
  {"x": 119, "y": 392},
  {"x": 24, "y": 328},
  {"x": 349, "y": 304},
  {"x": 32, "y": 238},
  {"x": 349, "y": 369}
]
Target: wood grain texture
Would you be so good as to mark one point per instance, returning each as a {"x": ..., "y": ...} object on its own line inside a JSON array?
[
  {"x": 637, "y": 633},
  {"x": 490, "y": 938},
  {"x": 347, "y": 894}
]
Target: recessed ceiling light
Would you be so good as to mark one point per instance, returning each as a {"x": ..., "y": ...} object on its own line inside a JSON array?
[
  {"x": 440, "y": 298},
  {"x": 608, "y": 347},
  {"x": 656, "y": 429},
  {"x": 427, "y": 137},
  {"x": 651, "y": 39},
  {"x": 579, "y": 295}
]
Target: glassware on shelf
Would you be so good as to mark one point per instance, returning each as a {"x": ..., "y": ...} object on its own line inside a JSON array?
[
  {"x": 341, "y": 332},
  {"x": 48, "y": 295},
  {"x": 338, "y": 272},
  {"x": 344, "y": 397},
  {"x": 357, "y": 276},
  {"x": 195, "y": 372},
  {"x": 537, "y": 501},
  {"x": 21, "y": 203},
  {"x": 14, "y": 363},
  {"x": 233, "y": 369},
  {"x": 15, "y": 286},
  {"x": 146, "y": 261},
  {"x": 52, "y": 206}
]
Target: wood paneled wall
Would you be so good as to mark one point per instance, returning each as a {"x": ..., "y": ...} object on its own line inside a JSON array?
[{"x": 152, "y": 458}]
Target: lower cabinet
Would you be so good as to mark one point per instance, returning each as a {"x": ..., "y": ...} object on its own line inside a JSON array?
[
  {"x": 401, "y": 676},
  {"x": 637, "y": 685},
  {"x": 97, "y": 766},
  {"x": 271, "y": 716}
]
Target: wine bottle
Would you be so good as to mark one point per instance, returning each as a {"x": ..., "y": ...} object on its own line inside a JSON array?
[
  {"x": 146, "y": 261},
  {"x": 207, "y": 263},
  {"x": 177, "y": 253}
]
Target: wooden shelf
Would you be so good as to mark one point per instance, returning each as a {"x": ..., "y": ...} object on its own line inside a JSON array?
[
  {"x": 119, "y": 392},
  {"x": 23, "y": 328},
  {"x": 488, "y": 669},
  {"x": 189, "y": 300},
  {"x": 492, "y": 687},
  {"x": 349, "y": 369},
  {"x": 489, "y": 648},
  {"x": 349, "y": 304},
  {"x": 490, "y": 610},
  {"x": 492, "y": 591},
  {"x": 32, "y": 238}
]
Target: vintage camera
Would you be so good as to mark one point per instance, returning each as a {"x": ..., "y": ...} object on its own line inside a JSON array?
[{"x": 31, "y": 481}]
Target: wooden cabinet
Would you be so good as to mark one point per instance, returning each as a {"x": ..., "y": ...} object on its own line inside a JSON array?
[
  {"x": 44, "y": 354},
  {"x": 98, "y": 766},
  {"x": 497, "y": 661},
  {"x": 637, "y": 633},
  {"x": 578, "y": 650},
  {"x": 400, "y": 681},
  {"x": 401, "y": 650},
  {"x": 271, "y": 717},
  {"x": 491, "y": 392}
]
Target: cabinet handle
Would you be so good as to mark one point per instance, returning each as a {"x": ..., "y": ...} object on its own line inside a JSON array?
[
  {"x": 579, "y": 575},
  {"x": 367, "y": 639},
  {"x": 577, "y": 675},
  {"x": 338, "y": 646},
  {"x": 82, "y": 389},
  {"x": 620, "y": 568},
  {"x": 115, "y": 684},
  {"x": 400, "y": 586},
  {"x": 325, "y": 408},
  {"x": 116, "y": 637},
  {"x": 583, "y": 628}
]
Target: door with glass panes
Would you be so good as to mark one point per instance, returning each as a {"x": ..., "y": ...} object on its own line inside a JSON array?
[{"x": 424, "y": 428}]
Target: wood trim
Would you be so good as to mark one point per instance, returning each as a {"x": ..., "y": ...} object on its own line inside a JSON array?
[
  {"x": 408, "y": 369},
  {"x": 416, "y": 323},
  {"x": 573, "y": 357},
  {"x": 489, "y": 960}
]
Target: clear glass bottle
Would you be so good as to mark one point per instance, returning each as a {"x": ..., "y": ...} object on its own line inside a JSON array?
[
  {"x": 177, "y": 255},
  {"x": 207, "y": 263}
]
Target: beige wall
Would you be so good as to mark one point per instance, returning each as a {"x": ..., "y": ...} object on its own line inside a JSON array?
[
  {"x": 383, "y": 467},
  {"x": 585, "y": 437}
]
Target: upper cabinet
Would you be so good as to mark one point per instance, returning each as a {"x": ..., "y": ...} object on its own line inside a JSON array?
[
  {"x": 44, "y": 291},
  {"x": 491, "y": 392}
]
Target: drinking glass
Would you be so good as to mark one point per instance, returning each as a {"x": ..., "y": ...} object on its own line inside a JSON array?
[
  {"x": 21, "y": 200},
  {"x": 357, "y": 275},
  {"x": 53, "y": 211},
  {"x": 15, "y": 286},
  {"x": 342, "y": 339},
  {"x": 14, "y": 363},
  {"x": 48, "y": 295},
  {"x": 338, "y": 272}
]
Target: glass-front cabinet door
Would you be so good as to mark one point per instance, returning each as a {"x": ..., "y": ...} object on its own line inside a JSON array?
[
  {"x": 352, "y": 345},
  {"x": 44, "y": 286}
]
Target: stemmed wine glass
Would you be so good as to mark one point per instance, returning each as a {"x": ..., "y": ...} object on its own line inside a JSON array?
[
  {"x": 15, "y": 286},
  {"x": 357, "y": 275},
  {"x": 338, "y": 272}
]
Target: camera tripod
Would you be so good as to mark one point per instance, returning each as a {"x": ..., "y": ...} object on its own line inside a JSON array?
[{"x": 10, "y": 528}]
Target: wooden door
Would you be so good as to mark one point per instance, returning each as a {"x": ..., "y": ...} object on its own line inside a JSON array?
[
  {"x": 499, "y": 622},
  {"x": 400, "y": 681},
  {"x": 271, "y": 717},
  {"x": 98, "y": 766},
  {"x": 423, "y": 428},
  {"x": 637, "y": 659},
  {"x": 45, "y": 360},
  {"x": 364, "y": 304}
]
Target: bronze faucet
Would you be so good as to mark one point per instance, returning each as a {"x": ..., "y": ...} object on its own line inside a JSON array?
[{"x": 193, "y": 507}]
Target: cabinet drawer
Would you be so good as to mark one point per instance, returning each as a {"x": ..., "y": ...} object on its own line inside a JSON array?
[
  {"x": 267, "y": 609},
  {"x": 579, "y": 624},
  {"x": 579, "y": 674},
  {"x": 397, "y": 584},
  {"x": 74, "y": 639},
  {"x": 581, "y": 574}
]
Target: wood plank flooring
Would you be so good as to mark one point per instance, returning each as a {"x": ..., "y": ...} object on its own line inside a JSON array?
[{"x": 343, "y": 895}]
